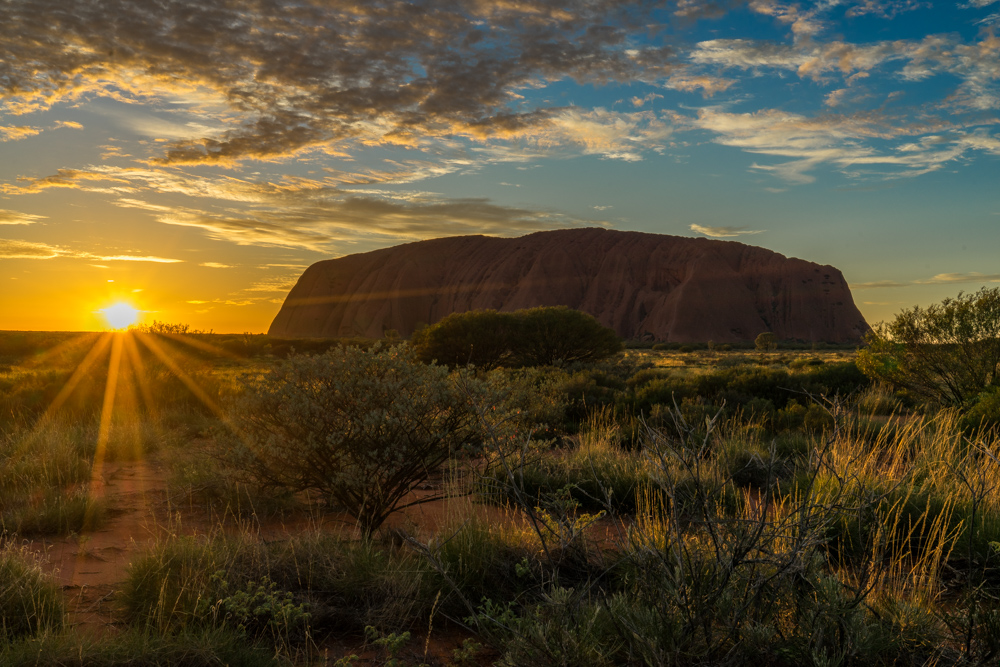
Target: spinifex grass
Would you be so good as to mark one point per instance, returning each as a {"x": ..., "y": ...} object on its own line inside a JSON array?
[{"x": 30, "y": 601}]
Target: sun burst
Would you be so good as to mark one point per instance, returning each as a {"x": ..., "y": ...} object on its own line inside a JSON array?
[{"x": 120, "y": 315}]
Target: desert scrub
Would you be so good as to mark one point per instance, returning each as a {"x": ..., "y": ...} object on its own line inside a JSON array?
[
  {"x": 30, "y": 601},
  {"x": 361, "y": 427},
  {"x": 599, "y": 470},
  {"x": 131, "y": 648},
  {"x": 282, "y": 593},
  {"x": 44, "y": 479}
]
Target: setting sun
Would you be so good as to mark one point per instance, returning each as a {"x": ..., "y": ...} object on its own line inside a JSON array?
[{"x": 120, "y": 315}]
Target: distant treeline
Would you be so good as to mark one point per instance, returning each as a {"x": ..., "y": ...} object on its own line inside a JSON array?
[{"x": 18, "y": 347}]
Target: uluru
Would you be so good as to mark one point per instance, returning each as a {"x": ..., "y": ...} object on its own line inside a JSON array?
[{"x": 644, "y": 286}]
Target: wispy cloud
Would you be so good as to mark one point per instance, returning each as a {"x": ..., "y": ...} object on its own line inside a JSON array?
[
  {"x": 19, "y": 249},
  {"x": 215, "y": 265},
  {"x": 17, "y": 218},
  {"x": 939, "y": 279},
  {"x": 879, "y": 284},
  {"x": 130, "y": 258},
  {"x": 724, "y": 232},
  {"x": 970, "y": 277},
  {"x": 306, "y": 213},
  {"x": 14, "y": 249},
  {"x": 844, "y": 141}
]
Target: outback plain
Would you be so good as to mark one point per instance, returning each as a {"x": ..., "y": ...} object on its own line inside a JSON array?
[{"x": 177, "y": 497}]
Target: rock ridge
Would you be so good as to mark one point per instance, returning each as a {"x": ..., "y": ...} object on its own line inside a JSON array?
[{"x": 644, "y": 286}]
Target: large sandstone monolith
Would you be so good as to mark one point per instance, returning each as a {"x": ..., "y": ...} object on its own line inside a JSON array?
[{"x": 650, "y": 286}]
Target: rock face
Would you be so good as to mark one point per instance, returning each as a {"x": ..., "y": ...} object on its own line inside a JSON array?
[{"x": 647, "y": 286}]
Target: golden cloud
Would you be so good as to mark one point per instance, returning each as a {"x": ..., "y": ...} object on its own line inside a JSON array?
[
  {"x": 724, "y": 232},
  {"x": 17, "y": 218},
  {"x": 393, "y": 74},
  {"x": 14, "y": 133}
]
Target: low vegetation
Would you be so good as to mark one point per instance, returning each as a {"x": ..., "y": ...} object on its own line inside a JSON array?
[
  {"x": 543, "y": 336},
  {"x": 639, "y": 507}
]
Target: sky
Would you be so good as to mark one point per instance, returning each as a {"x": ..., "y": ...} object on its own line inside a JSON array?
[{"x": 193, "y": 157}]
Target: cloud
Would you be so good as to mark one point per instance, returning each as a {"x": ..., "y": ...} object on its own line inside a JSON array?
[
  {"x": 215, "y": 265},
  {"x": 15, "y": 133},
  {"x": 887, "y": 8},
  {"x": 878, "y": 284},
  {"x": 709, "y": 85},
  {"x": 802, "y": 23},
  {"x": 63, "y": 178},
  {"x": 724, "y": 232},
  {"x": 976, "y": 64},
  {"x": 313, "y": 214},
  {"x": 19, "y": 249},
  {"x": 620, "y": 136},
  {"x": 14, "y": 249},
  {"x": 17, "y": 218},
  {"x": 279, "y": 284},
  {"x": 842, "y": 140},
  {"x": 939, "y": 279},
  {"x": 130, "y": 258},
  {"x": 318, "y": 76},
  {"x": 68, "y": 124},
  {"x": 971, "y": 277},
  {"x": 638, "y": 102}
]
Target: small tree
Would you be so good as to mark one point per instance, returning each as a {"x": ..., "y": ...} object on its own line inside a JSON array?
[
  {"x": 480, "y": 337},
  {"x": 948, "y": 353},
  {"x": 766, "y": 342},
  {"x": 362, "y": 427},
  {"x": 550, "y": 335},
  {"x": 540, "y": 336}
]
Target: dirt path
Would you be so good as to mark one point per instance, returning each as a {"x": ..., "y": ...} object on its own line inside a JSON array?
[{"x": 92, "y": 565}]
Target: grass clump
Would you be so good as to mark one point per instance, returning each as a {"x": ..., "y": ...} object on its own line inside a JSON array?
[
  {"x": 206, "y": 648},
  {"x": 30, "y": 602}
]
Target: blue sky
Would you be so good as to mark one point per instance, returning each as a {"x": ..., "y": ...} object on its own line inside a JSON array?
[{"x": 193, "y": 157}]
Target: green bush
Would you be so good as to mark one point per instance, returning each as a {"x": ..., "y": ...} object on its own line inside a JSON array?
[
  {"x": 984, "y": 414},
  {"x": 948, "y": 353},
  {"x": 543, "y": 336},
  {"x": 361, "y": 427},
  {"x": 480, "y": 337}
]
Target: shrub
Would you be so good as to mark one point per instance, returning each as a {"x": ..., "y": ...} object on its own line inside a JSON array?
[
  {"x": 766, "y": 342},
  {"x": 30, "y": 602},
  {"x": 948, "y": 353},
  {"x": 139, "y": 648},
  {"x": 543, "y": 336},
  {"x": 479, "y": 337},
  {"x": 984, "y": 413},
  {"x": 551, "y": 335},
  {"x": 363, "y": 428}
]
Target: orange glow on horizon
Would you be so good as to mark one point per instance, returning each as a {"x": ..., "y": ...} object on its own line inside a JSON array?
[{"x": 120, "y": 315}]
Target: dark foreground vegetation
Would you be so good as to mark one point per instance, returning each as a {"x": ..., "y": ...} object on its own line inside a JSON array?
[{"x": 645, "y": 507}]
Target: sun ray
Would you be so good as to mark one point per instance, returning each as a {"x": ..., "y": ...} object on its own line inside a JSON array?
[
  {"x": 154, "y": 346},
  {"x": 201, "y": 345},
  {"x": 99, "y": 346},
  {"x": 64, "y": 347},
  {"x": 96, "y": 488},
  {"x": 139, "y": 372},
  {"x": 127, "y": 406}
]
